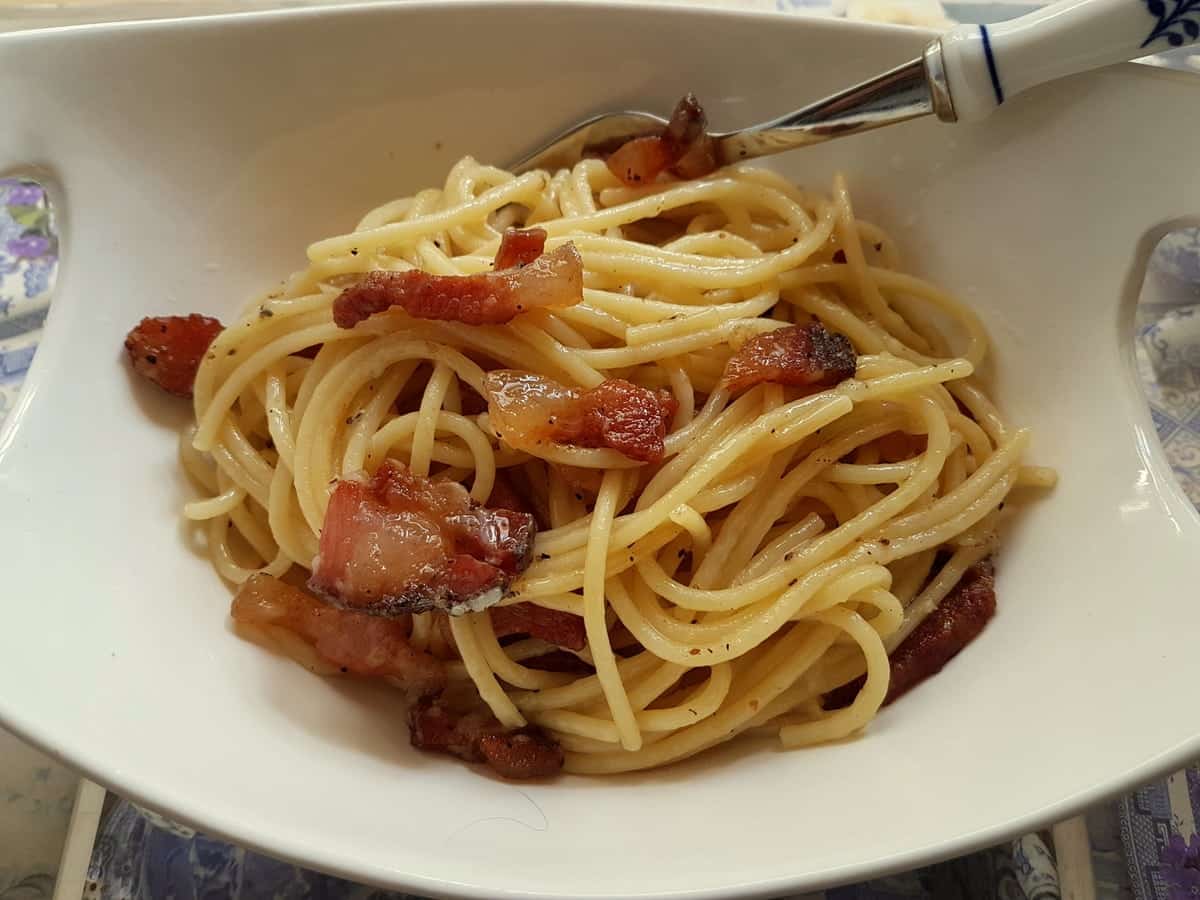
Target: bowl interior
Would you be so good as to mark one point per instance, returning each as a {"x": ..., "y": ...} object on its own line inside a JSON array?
[{"x": 195, "y": 160}]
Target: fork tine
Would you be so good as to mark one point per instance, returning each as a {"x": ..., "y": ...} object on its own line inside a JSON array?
[{"x": 599, "y": 132}]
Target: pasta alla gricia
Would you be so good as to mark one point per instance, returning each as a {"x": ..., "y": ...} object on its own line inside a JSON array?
[{"x": 762, "y": 567}]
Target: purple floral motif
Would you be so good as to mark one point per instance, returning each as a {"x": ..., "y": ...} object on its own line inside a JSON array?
[
  {"x": 37, "y": 277},
  {"x": 24, "y": 194},
  {"x": 8, "y": 228},
  {"x": 1181, "y": 868},
  {"x": 29, "y": 246}
]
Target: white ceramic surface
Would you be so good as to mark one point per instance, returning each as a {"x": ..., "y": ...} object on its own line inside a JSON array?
[{"x": 194, "y": 161}]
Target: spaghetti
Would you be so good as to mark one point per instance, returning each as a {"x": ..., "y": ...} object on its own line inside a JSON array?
[{"x": 780, "y": 542}]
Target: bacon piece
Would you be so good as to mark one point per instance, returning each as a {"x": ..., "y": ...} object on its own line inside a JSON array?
[
  {"x": 504, "y": 495},
  {"x": 797, "y": 356},
  {"x": 899, "y": 446},
  {"x": 472, "y": 733},
  {"x": 559, "y": 661},
  {"x": 398, "y": 543},
  {"x": 957, "y": 621},
  {"x": 168, "y": 349},
  {"x": 684, "y": 147},
  {"x": 528, "y": 410},
  {"x": 472, "y": 403},
  {"x": 519, "y": 247},
  {"x": 491, "y": 298},
  {"x": 583, "y": 483},
  {"x": 356, "y": 642},
  {"x": 524, "y": 753},
  {"x": 551, "y": 625}
]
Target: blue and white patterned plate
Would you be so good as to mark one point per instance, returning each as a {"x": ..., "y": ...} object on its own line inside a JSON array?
[
  {"x": 35, "y": 793},
  {"x": 28, "y": 255}
]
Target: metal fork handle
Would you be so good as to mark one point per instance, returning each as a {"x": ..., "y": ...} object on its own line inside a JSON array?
[{"x": 910, "y": 91}]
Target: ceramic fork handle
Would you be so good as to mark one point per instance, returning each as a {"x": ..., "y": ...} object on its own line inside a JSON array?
[{"x": 985, "y": 65}]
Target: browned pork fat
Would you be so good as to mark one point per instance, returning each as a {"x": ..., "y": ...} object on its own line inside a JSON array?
[
  {"x": 551, "y": 625},
  {"x": 684, "y": 148},
  {"x": 355, "y": 642},
  {"x": 796, "y": 356},
  {"x": 168, "y": 350},
  {"x": 471, "y": 732},
  {"x": 519, "y": 247},
  {"x": 374, "y": 646},
  {"x": 490, "y": 298},
  {"x": 529, "y": 410},
  {"x": 957, "y": 621},
  {"x": 400, "y": 543}
]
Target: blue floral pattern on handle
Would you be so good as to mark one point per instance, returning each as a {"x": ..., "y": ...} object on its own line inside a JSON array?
[{"x": 1175, "y": 25}]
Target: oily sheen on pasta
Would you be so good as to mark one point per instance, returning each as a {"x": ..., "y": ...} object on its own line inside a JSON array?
[{"x": 828, "y": 472}]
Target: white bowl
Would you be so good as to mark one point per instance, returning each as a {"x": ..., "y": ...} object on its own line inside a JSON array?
[{"x": 194, "y": 160}]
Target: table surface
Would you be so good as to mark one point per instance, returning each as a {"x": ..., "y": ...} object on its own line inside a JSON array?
[{"x": 1143, "y": 846}]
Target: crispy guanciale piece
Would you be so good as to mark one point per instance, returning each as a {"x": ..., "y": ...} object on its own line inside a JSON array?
[
  {"x": 796, "y": 356},
  {"x": 528, "y": 410},
  {"x": 504, "y": 494},
  {"x": 684, "y": 148},
  {"x": 356, "y": 642},
  {"x": 551, "y": 625},
  {"x": 491, "y": 298},
  {"x": 957, "y": 621},
  {"x": 474, "y": 735},
  {"x": 399, "y": 543},
  {"x": 519, "y": 247},
  {"x": 168, "y": 349}
]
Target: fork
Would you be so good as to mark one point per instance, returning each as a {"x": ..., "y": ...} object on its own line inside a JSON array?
[{"x": 962, "y": 76}]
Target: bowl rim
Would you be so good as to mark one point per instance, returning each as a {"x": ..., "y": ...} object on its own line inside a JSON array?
[
  {"x": 323, "y": 8},
  {"x": 128, "y": 784}
]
